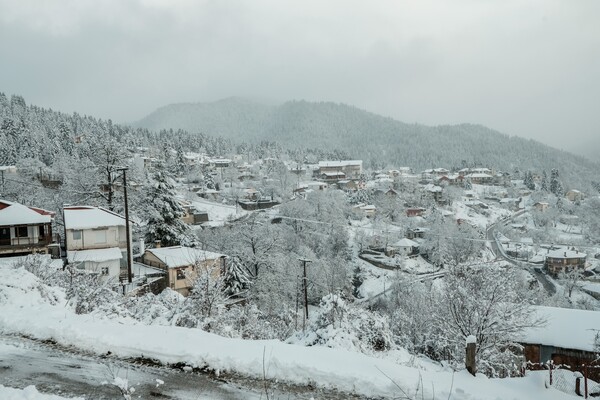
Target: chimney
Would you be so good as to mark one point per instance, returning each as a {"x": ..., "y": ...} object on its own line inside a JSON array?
[
  {"x": 565, "y": 254},
  {"x": 157, "y": 244},
  {"x": 142, "y": 246}
]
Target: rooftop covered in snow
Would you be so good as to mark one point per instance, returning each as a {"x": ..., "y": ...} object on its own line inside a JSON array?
[
  {"x": 94, "y": 255},
  {"x": 18, "y": 214},
  {"x": 88, "y": 217},
  {"x": 181, "y": 256},
  {"x": 343, "y": 163},
  {"x": 565, "y": 253},
  {"x": 565, "y": 328}
]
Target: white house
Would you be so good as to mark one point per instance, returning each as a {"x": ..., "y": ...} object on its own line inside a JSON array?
[
  {"x": 96, "y": 239},
  {"x": 405, "y": 247}
]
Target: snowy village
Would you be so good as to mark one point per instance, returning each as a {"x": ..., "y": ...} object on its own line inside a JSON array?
[
  {"x": 295, "y": 268},
  {"x": 299, "y": 200}
]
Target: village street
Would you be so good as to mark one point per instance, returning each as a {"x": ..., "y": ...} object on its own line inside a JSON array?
[
  {"x": 57, "y": 370},
  {"x": 24, "y": 362},
  {"x": 533, "y": 269}
]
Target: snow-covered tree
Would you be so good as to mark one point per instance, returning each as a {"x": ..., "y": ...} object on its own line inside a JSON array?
[
  {"x": 164, "y": 222},
  {"x": 488, "y": 302},
  {"x": 556, "y": 186},
  {"x": 544, "y": 183},
  {"x": 528, "y": 181},
  {"x": 341, "y": 324},
  {"x": 235, "y": 279}
]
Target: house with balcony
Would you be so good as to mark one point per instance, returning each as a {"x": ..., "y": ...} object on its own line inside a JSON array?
[
  {"x": 24, "y": 230},
  {"x": 564, "y": 260},
  {"x": 95, "y": 240},
  {"x": 340, "y": 170}
]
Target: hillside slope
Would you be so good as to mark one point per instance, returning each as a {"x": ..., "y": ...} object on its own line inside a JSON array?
[{"x": 378, "y": 140}]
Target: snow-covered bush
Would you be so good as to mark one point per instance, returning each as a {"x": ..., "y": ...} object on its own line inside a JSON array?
[
  {"x": 85, "y": 292},
  {"x": 340, "y": 324},
  {"x": 150, "y": 309}
]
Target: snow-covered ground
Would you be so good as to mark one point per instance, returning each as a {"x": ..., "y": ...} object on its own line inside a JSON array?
[
  {"x": 477, "y": 214},
  {"x": 218, "y": 213},
  {"x": 29, "y": 393},
  {"x": 28, "y": 307}
]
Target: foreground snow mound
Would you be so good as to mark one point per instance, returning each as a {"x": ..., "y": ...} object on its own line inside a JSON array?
[
  {"x": 29, "y": 393},
  {"x": 19, "y": 287},
  {"x": 27, "y": 309}
]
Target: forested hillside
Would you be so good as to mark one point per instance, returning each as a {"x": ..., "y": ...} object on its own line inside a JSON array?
[
  {"x": 42, "y": 141},
  {"x": 380, "y": 141}
]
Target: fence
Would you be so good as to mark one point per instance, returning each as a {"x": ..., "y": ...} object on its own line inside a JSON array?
[{"x": 582, "y": 380}]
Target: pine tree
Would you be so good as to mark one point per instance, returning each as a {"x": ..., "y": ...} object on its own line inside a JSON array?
[
  {"x": 528, "y": 181},
  {"x": 556, "y": 186},
  {"x": 164, "y": 223},
  {"x": 357, "y": 281},
  {"x": 235, "y": 279},
  {"x": 544, "y": 184}
]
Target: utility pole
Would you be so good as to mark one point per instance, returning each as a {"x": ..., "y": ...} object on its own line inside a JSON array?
[
  {"x": 305, "y": 282},
  {"x": 127, "y": 233}
]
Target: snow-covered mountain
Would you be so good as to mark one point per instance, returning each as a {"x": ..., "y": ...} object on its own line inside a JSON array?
[{"x": 378, "y": 140}]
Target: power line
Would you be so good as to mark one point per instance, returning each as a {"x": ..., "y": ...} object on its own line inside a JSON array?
[{"x": 429, "y": 234}]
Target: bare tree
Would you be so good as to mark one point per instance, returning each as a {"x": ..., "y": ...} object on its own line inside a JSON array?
[{"x": 486, "y": 301}]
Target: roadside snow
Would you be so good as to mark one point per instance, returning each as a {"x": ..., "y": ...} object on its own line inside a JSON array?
[
  {"x": 28, "y": 307},
  {"x": 29, "y": 393}
]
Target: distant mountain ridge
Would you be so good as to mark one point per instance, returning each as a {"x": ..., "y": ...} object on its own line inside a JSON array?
[{"x": 380, "y": 141}]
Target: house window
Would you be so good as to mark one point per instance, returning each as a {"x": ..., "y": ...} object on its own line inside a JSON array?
[
  {"x": 180, "y": 274},
  {"x": 104, "y": 270},
  {"x": 22, "y": 231},
  {"x": 77, "y": 235},
  {"x": 41, "y": 231},
  {"x": 101, "y": 236}
]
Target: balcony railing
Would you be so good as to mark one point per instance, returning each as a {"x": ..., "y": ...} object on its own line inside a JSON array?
[{"x": 25, "y": 242}]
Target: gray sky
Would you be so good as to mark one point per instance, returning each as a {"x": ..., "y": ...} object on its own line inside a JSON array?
[{"x": 527, "y": 68}]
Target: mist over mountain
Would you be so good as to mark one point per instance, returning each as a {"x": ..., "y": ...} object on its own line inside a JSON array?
[{"x": 380, "y": 141}]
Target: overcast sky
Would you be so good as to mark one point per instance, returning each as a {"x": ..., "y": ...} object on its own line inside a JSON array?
[{"x": 527, "y": 68}]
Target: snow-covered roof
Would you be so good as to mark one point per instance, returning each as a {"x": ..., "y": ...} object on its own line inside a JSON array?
[
  {"x": 181, "y": 256},
  {"x": 86, "y": 217},
  {"x": 220, "y": 160},
  {"x": 566, "y": 328},
  {"x": 430, "y": 187},
  {"x": 139, "y": 269},
  {"x": 480, "y": 175},
  {"x": 368, "y": 207},
  {"x": 314, "y": 183},
  {"x": 94, "y": 255},
  {"x": 17, "y": 214},
  {"x": 344, "y": 163},
  {"x": 406, "y": 243},
  {"x": 566, "y": 253}
]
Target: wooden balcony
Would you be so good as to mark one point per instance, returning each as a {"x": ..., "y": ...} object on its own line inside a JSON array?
[{"x": 25, "y": 245}]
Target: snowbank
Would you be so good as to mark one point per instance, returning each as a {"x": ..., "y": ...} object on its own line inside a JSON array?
[
  {"x": 29, "y": 393},
  {"x": 29, "y": 307}
]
